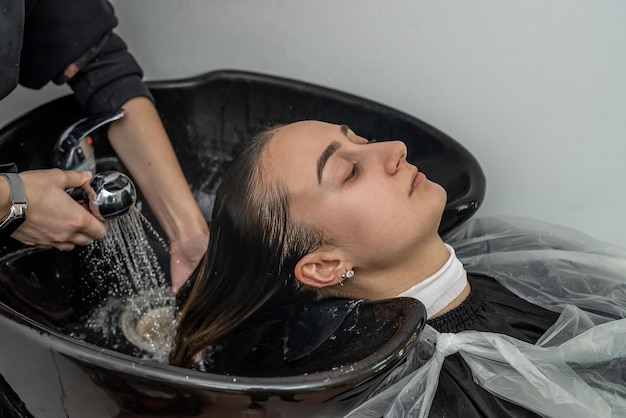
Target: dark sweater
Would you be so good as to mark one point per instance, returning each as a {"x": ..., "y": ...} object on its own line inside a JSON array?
[
  {"x": 68, "y": 41},
  {"x": 490, "y": 308}
]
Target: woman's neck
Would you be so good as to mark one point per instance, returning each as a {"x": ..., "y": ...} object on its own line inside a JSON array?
[
  {"x": 413, "y": 274},
  {"x": 400, "y": 274},
  {"x": 444, "y": 290}
]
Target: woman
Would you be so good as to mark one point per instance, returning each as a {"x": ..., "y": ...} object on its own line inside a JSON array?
[{"x": 313, "y": 207}]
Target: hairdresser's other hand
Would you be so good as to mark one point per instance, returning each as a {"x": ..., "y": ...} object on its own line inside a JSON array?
[
  {"x": 141, "y": 142},
  {"x": 53, "y": 218},
  {"x": 185, "y": 256}
]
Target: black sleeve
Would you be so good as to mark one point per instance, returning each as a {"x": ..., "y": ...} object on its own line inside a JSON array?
[
  {"x": 11, "y": 28},
  {"x": 111, "y": 78},
  {"x": 76, "y": 35}
]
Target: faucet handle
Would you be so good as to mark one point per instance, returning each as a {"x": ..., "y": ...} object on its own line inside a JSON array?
[{"x": 74, "y": 148}]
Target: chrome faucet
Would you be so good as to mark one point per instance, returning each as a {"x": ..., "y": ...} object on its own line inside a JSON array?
[
  {"x": 109, "y": 193},
  {"x": 74, "y": 149}
]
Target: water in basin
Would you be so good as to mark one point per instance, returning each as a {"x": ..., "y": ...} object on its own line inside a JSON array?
[{"x": 133, "y": 305}]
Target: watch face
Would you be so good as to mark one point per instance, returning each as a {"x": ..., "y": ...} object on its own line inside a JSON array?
[
  {"x": 16, "y": 217},
  {"x": 10, "y": 226},
  {"x": 17, "y": 213}
]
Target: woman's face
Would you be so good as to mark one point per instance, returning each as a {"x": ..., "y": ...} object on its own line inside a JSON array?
[{"x": 364, "y": 196}]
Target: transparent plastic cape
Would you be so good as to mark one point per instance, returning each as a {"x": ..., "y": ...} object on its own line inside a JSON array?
[{"x": 576, "y": 369}]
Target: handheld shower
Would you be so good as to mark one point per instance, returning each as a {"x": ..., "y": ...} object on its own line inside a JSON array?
[{"x": 109, "y": 193}]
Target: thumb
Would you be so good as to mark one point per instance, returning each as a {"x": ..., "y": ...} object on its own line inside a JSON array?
[{"x": 77, "y": 178}]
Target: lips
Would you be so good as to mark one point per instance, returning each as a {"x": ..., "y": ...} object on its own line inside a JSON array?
[{"x": 417, "y": 179}]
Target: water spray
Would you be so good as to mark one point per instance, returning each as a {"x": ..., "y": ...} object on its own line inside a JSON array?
[{"x": 123, "y": 260}]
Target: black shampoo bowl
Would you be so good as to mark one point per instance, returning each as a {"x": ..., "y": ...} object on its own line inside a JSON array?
[
  {"x": 208, "y": 116},
  {"x": 45, "y": 372}
]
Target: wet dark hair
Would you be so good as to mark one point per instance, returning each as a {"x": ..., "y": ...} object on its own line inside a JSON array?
[{"x": 252, "y": 253}]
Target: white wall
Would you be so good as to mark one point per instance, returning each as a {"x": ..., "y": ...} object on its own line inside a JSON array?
[{"x": 536, "y": 90}]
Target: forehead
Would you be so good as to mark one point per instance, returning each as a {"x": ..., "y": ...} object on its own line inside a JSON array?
[
  {"x": 305, "y": 131},
  {"x": 296, "y": 146}
]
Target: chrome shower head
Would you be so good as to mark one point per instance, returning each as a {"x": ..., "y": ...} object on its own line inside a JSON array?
[{"x": 110, "y": 194}]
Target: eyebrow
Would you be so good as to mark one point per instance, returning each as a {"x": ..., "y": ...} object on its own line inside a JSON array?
[{"x": 328, "y": 152}]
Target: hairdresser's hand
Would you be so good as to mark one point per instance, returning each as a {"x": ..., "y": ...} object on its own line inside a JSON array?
[
  {"x": 185, "y": 256},
  {"x": 53, "y": 218},
  {"x": 141, "y": 142}
]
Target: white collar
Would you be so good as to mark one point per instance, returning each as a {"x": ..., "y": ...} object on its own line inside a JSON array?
[{"x": 441, "y": 288}]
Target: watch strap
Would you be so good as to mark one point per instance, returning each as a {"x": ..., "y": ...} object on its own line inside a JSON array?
[{"x": 17, "y": 192}]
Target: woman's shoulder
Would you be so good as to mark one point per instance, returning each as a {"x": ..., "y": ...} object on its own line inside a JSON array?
[{"x": 491, "y": 307}]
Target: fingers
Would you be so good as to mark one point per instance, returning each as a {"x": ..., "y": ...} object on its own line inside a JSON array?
[
  {"x": 92, "y": 229},
  {"x": 185, "y": 256},
  {"x": 60, "y": 246},
  {"x": 76, "y": 178},
  {"x": 80, "y": 240},
  {"x": 79, "y": 225},
  {"x": 63, "y": 244},
  {"x": 54, "y": 219},
  {"x": 85, "y": 240}
]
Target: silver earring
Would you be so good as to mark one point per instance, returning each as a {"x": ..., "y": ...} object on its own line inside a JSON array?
[{"x": 347, "y": 275}]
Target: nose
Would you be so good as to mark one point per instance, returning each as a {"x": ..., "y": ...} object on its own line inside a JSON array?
[{"x": 394, "y": 156}]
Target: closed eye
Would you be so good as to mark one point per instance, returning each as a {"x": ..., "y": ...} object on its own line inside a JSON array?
[
  {"x": 354, "y": 172},
  {"x": 356, "y": 168}
]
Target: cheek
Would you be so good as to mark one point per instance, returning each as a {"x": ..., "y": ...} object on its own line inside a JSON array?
[
  {"x": 341, "y": 218},
  {"x": 369, "y": 218}
]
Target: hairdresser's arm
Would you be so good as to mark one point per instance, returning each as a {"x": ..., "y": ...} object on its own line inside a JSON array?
[
  {"x": 105, "y": 77},
  {"x": 143, "y": 145},
  {"x": 53, "y": 218}
]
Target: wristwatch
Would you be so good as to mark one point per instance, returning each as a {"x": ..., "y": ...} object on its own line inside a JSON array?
[{"x": 17, "y": 212}]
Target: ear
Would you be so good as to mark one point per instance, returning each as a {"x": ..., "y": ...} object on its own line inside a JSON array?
[{"x": 319, "y": 269}]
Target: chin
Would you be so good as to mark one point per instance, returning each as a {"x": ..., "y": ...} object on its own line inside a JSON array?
[
  {"x": 441, "y": 203},
  {"x": 442, "y": 195}
]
